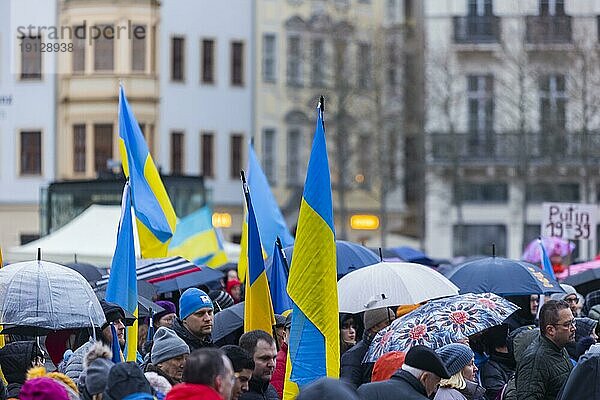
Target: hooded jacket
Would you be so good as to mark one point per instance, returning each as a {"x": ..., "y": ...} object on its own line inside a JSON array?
[
  {"x": 192, "y": 391},
  {"x": 583, "y": 383},
  {"x": 542, "y": 371},
  {"x": 401, "y": 386},
  {"x": 194, "y": 342},
  {"x": 496, "y": 373},
  {"x": 259, "y": 391}
]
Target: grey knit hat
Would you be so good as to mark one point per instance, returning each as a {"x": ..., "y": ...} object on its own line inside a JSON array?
[
  {"x": 373, "y": 317},
  {"x": 97, "y": 375},
  {"x": 455, "y": 356},
  {"x": 167, "y": 345}
]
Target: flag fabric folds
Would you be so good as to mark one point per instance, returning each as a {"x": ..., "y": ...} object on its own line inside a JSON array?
[
  {"x": 546, "y": 263},
  {"x": 197, "y": 240},
  {"x": 278, "y": 278},
  {"x": 314, "y": 339},
  {"x": 271, "y": 223},
  {"x": 153, "y": 210},
  {"x": 122, "y": 282},
  {"x": 258, "y": 309}
]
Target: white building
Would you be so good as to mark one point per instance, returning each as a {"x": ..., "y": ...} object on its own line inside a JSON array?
[
  {"x": 206, "y": 72},
  {"x": 520, "y": 79},
  {"x": 27, "y": 115}
]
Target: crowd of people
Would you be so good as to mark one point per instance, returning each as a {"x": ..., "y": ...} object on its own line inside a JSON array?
[{"x": 539, "y": 352}]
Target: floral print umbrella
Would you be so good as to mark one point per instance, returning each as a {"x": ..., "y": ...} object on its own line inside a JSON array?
[{"x": 442, "y": 322}]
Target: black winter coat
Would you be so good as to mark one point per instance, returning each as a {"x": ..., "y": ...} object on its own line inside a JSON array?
[
  {"x": 193, "y": 341},
  {"x": 401, "y": 386},
  {"x": 542, "y": 371},
  {"x": 583, "y": 383},
  {"x": 259, "y": 391},
  {"x": 495, "y": 374},
  {"x": 352, "y": 369}
]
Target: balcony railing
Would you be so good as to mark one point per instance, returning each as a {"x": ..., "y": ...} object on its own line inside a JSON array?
[
  {"x": 548, "y": 29},
  {"x": 477, "y": 29},
  {"x": 493, "y": 148}
]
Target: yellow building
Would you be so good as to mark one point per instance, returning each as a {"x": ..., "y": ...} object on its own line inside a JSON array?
[{"x": 113, "y": 41}]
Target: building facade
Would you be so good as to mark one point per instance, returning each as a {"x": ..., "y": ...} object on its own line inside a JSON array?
[
  {"x": 511, "y": 120},
  {"x": 27, "y": 116},
  {"x": 347, "y": 51}
]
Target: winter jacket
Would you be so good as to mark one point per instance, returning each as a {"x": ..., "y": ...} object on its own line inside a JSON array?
[
  {"x": 473, "y": 391},
  {"x": 401, "y": 386},
  {"x": 542, "y": 371},
  {"x": 15, "y": 360},
  {"x": 259, "y": 391},
  {"x": 448, "y": 394},
  {"x": 74, "y": 366},
  {"x": 518, "y": 341},
  {"x": 583, "y": 383},
  {"x": 353, "y": 370},
  {"x": 495, "y": 374},
  {"x": 278, "y": 378},
  {"x": 194, "y": 342},
  {"x": 192, "y": 391},
  {"x": 159, "y": 372}
]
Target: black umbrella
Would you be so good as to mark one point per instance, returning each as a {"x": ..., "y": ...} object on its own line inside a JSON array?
[
  {"x": 585, "y": 282},
  {"x": 90, "y": 272},
  {"x": 227, "y": 321}
]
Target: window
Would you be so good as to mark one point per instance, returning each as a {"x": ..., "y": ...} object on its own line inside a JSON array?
[
  {"x": 177, "y": 59},
  {"x": 552, "y": 192},
  {"x": 104, "y": 49},
  {"x": 268, "y": 153},
  {"x": 148, "y": 133},
  {"x": 478, "y": 239},
  {"x": 365, "y": 159},
  {"x": 393, "y": 75},
  {"x": 364, "y": 65},
  {"x": 138, "y": 48},
  {"x": 269, "y": 57},
  {"x": 294, "y": 61},
  {"x": 103, "y": 146},
  {"x": 553, "y": 102},
  {"x": 480, "y": 8},
  {"x": 177, "y": 153},
  {"x": 31, "y": 153},
  {"x": 552, "y": 7},
  {"x": 481, "y": 192},
  {"x": 342, "y": 64},
  {"x": 78, "y": 53},
  {"x": 294, "y": 148},
  {"x": 480, "y": 98},
  {"x": 237, "y": 63},
  {"x": 318, "y": 61},
  {"x": 79, "y": 141},
  {"x": 393, "y": 11},
  {"x": 236, "y": 150},
  {"x": 207, "y": 152},
  {"x": 31, "y": 57},
  {"x": 208, "y": 61}
]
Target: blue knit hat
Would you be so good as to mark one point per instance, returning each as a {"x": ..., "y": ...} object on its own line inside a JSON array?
[
  {"x": 455, "y": 356},
  {"x": 191, "y": 301}
]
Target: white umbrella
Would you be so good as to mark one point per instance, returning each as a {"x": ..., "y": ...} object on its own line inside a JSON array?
[
  {"x": 40, "y": 296},
  {"x": 391, "y": 284}
]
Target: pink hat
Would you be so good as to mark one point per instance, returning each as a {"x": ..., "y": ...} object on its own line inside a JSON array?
[{"x": 43, "y": 389}]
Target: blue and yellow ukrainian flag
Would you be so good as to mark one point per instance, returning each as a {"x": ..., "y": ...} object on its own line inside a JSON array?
[
  {"x": 314, "y": 347},
  {"x": 122, "y": 281},
  {"x": 197, "y": 240},
  {"x": 269, "y": 218},
  {"x": 154, "y": 213},
  {"x": 278, "y": 279},
  {"x": 258, "y": 309},
  {"x": 546, "y": 263}
]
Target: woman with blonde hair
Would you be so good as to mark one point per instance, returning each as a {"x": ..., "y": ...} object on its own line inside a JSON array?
[{"x": 460, "y": 362}]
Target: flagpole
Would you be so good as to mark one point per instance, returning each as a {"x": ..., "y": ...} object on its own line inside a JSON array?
[{"x": 282, "y": 253}]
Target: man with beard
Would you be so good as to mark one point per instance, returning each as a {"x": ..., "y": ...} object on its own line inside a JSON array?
[
  {"x": 261, "y": 346},
  {"x": 545, "y": 365}
]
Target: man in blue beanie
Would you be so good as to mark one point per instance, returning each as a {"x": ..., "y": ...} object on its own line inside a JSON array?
[{"x": 196, "y": 318}]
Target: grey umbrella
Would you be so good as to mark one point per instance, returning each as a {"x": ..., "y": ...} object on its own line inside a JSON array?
[{"x": 39, "y": 296}]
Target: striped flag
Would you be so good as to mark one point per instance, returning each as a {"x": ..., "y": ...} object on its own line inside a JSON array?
[
  {"x": 314, "y": 344},
  {"x": 122, "y": 282},
  {"x": 154, "y": 213},
  {"x": 258, "y": 309}
]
